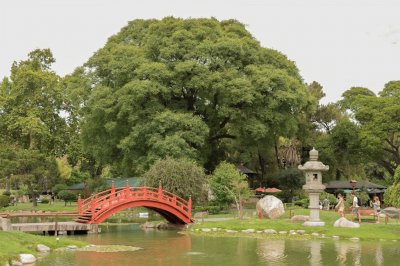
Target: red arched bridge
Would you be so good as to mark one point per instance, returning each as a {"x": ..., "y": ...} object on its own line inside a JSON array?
[{"x": 99, "y": 207}]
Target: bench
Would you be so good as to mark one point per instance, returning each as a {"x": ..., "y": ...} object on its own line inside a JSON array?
[{"x": 368, "y": 212}]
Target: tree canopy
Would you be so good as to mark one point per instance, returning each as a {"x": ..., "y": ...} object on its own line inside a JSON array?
[{"x": 185, "y": 88}]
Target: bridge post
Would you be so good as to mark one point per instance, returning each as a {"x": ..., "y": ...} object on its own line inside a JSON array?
[
  {"x": 144, "y": 192},
  {"x": 190, "y": 207},
  {"x": 93, "y": 207},
  {"x": 79, "y": 204},
  {"x": 127, "y": 192},
  {"x": 112, "y": 196},
  {"x": 174, "y": 199},
  {"x": 160, "y": 191}
]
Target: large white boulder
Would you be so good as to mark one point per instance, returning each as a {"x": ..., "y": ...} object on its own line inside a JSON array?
[
  {"x": 343, "y": 222},
  {"x": 270, "y": 207}
]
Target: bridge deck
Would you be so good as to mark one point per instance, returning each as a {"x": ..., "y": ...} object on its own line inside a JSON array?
[{"x": 51, "y": 227}]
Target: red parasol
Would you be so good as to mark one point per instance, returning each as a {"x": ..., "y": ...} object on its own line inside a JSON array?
[{"x": 267, "y": 190}]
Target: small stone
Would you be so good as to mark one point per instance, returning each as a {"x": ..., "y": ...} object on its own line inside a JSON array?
[
  {"x": 270, "y": 231},
  {"x": 354, "y": 239},
  {"x": 335, "y": 237},
  {"x": 315, "y": 234},
  {"x": 206, "y": 230},
  {"x": 230, "y": 231},
  {"x": 248, "y": 231},
  {"x": 301, "y": 232},
  {"x": 27, "y": 258},
  {"x": 42, "y": 248},
  {"x": 72, "y": 247},
  {"x": 300, "y": 218},
  {"x": 293, "y": 233},
  {"x": 214, "y": 229},
  {"x": 196, "y": 230},
  {"x": 282, "y": 232},
  {"x": 259, "y": 232}
]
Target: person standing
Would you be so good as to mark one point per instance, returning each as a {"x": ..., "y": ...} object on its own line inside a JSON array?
[
  {"x": 355, "y": 206},
  {"x": 340, "y": 205},
  {"x": 377, "y": 208}
]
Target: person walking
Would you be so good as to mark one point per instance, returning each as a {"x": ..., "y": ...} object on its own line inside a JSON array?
[
  {"x": 377, "y": 208},
  {"x": 340, "y": 205}
]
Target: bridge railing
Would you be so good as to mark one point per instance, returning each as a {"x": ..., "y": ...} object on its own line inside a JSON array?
[{"x": 103, "y": 201}]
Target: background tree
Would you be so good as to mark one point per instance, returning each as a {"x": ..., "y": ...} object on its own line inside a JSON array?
[
  {"x": 392, "y": 194},
  {"x": 379, "y": 124},
  {"x": 31, "y": 105},
  {"x": 66, "y": 196},
  {"x": 182, "y": 177},
  {"x": 203, "y": 85},
  {"x": 228, "y": 186}
]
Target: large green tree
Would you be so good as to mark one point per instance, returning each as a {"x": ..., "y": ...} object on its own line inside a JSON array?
[
  {"x": 195, "y": 88},
  {"x": 31, "y": 124},
  {"x": 31, "y": 104},
  {"x": 379, "y": 121}
]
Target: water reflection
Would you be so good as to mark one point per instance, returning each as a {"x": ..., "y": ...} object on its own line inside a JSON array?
[
  {"x": 272, "y": 251},
  {"x": 170, "y": 248},
  {"x": 348, "y": 251}
]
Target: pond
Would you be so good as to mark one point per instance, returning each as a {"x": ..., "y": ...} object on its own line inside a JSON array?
[{"x": 172, "y": 248}]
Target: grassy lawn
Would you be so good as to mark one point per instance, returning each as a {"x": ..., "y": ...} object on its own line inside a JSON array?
[
  {"x": 368, "y": 229},
  {"x": 14, "y": 243},
  {"x": 58, "y": 206}
]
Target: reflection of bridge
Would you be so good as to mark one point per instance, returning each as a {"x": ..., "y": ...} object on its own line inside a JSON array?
[{"x": 100, "y": 206}]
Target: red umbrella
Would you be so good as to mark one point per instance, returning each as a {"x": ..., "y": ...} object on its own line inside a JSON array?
[{"x": 272, "y": 190}]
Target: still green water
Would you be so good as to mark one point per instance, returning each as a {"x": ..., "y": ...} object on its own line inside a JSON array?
[{"x": 164, "y": 248}]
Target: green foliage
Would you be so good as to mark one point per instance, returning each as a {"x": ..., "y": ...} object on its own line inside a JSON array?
[
  {"x": 58, "y": 187},
  {"x": 67, "y": 196},
  {"x": 290, "y": 180},
  {"x": 31, "y": 103},
  {"x": 378, "y": 117},
  {"x": 325, "y": 195},
  {"x": 45, "y": 201},
  {"x": 4, "y": 201},
  {"x": 14, "y": 243},
  {"x": 7, "y": 193},
  {"x": 182, "y": 88},
  {"x": 228, "y": 185},
  {"x": 302, "y": 203},
  {"x": 392, "y": 193},
  {"x": 77, "y": 176},
  {"x": 95, "y": 185},
  {"x": 182, "y": 177}
]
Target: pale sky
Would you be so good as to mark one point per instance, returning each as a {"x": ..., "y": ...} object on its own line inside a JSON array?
[{"x": 339, "y": 43}]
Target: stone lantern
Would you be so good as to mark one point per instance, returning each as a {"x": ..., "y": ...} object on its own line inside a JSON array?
[{"x": 313, "y": 172}]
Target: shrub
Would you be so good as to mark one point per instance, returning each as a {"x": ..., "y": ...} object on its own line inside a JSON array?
[
  {"x": 45, "y": 201},
  {"x": 324, "y": 195},
  {"x": 67, "y": 196},
  {"x": 58, "y": 187},
  {"x": 7, "y": 193},
  {"x": 392, "y": 194},
  {"x": 302, "y": 203},
  {"x": 179, "y": 176},
  {"x": 4, "y": 201}
]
